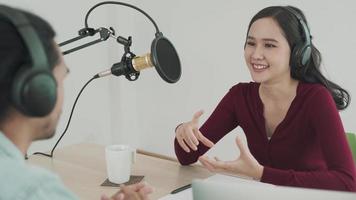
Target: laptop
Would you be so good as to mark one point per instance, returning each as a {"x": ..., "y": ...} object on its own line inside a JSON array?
[{"x": 214, "y": 190}]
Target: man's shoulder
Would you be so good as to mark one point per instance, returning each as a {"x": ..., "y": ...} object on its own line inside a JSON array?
[
  {"x": 23, "y": 181},
  {"x": 19, "y": 170}
]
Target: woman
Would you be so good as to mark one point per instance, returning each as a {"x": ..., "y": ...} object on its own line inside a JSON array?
[{"x": 289, "y": 113}]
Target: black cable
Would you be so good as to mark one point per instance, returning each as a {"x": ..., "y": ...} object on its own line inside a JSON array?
[
  {"x": 70, "y": 117},
  {"x": 123, "y": 4}
]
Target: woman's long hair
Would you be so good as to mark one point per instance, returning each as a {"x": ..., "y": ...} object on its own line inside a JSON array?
[{"x": 293, "y": 32}]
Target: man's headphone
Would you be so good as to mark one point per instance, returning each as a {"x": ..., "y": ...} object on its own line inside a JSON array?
[
  {"x": 301, "y": 52},
  {"x": 34, "y": 88}
]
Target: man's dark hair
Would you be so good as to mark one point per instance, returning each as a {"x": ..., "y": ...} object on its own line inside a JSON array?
[{"x": 14, "y": 53}]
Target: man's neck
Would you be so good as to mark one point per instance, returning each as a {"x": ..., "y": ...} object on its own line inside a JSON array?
[{"x": 19, "y": 133}]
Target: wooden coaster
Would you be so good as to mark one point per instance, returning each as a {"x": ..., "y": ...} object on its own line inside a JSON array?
[{"x": 133, "y": 180}]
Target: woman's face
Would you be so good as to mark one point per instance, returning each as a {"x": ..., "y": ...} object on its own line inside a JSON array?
[{"x": 267, "y": 52}]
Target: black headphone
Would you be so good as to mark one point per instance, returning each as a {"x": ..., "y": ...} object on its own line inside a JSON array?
[
  {"x": 34, "y": 88},
  {"x": 301, "y": 52}
]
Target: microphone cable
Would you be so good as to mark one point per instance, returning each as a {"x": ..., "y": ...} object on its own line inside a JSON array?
[{"x": 70, "y": 117}]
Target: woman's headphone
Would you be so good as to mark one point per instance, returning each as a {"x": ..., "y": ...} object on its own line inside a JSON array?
[
  {"x": 301, "y": 53},
  {"x": 34, "y": 88}
]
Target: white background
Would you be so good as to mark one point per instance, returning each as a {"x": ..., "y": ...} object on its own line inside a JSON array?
[{"x": 209, "y": 37}]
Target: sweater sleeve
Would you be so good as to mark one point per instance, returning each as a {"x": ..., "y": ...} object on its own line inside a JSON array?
[
  {"x": 220, "y": 122},
  {"x": 326, "y": 124}
]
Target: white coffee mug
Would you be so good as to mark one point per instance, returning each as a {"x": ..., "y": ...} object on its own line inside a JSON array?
[{"x": 119, "y": 159}]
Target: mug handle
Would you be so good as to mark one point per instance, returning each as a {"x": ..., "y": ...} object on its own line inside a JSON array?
[{"x": 133, "y": 156}]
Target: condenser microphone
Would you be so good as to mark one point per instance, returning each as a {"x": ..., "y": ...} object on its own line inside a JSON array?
[{"x": 163, "y": 57}]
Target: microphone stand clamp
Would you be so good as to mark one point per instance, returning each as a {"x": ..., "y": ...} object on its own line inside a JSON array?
[{"x": 127, "y": 57}]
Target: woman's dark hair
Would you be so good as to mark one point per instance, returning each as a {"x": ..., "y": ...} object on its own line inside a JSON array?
[
  {"x": 14, "y": 53},
  {"x": 293, "y": 32}
]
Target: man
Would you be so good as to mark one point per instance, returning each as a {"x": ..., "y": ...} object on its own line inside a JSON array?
[{"x": 32, "y": 72}]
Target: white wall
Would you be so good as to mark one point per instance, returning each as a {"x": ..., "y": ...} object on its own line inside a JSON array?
[
  {"x": 91, "y": 120},
  {"x": 209, "y": 37}
]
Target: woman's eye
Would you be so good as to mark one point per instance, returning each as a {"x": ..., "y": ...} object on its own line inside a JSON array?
[
  {"x": 250, "y": 43},
  {"x": 270, "y": 45}
]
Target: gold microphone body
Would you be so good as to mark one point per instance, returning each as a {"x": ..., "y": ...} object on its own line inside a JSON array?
[{"x": 142, "y": 62}]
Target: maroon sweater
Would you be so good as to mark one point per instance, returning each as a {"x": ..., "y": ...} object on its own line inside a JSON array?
[{"x": 308, "y": 148}]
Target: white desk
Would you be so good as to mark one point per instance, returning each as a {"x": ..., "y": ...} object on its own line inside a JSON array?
[{"x": 82, "y": 168}]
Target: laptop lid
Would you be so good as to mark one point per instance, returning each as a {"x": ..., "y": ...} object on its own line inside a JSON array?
[{"x": 212, "y": 190}]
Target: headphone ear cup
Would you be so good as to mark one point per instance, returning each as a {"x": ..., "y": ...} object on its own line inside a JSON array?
[
  {"x": 296, "y": 59},
  {"x": 34, "y": 92},
  {"x": 305, "y": 55},
  {"x": 300, "y": 56}
]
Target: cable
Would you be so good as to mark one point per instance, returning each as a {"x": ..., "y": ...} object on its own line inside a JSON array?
[
  {"x": 70, "y": 117},
  {"x": 123, "y": 4},
  {"x": 158, "y": 33}
]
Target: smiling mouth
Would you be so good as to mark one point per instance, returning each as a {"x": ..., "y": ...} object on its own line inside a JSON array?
[{"x": 259, "y": 67}]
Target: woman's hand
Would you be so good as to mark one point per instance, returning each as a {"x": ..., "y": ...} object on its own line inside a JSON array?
[
  {"x": 139, "y": 191},
  {"x": 245, "y": 164},
  {"x": 188, "y": 134}
]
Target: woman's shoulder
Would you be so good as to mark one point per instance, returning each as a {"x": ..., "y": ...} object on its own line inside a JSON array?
[
  {"x": 244, "y": 87},
  {"x": 315, "y": 95},
  {"x": 244, "y": 90},
  {"x": 312, "y": 90}
]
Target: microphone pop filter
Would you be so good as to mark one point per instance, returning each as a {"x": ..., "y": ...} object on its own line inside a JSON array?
[{"x": 165, "y": 59}]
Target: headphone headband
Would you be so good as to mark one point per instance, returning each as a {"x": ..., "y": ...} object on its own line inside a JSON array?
[
  {"x": 28, "y": 34},
  {"x": 301, "y": 21},
  {"x": 34, "y": 88},
  {"x": 301, "y": 52}
]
